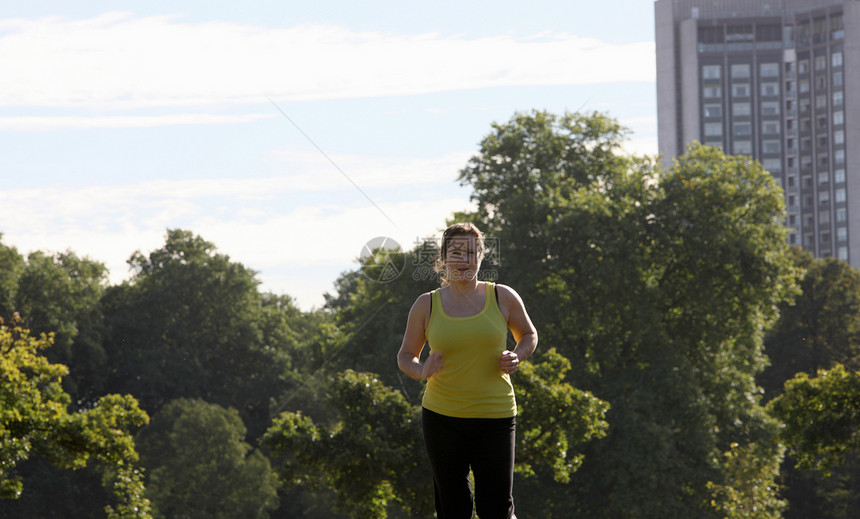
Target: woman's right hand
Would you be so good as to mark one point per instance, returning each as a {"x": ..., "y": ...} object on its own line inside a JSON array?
[{"x": 434, "y": 364}]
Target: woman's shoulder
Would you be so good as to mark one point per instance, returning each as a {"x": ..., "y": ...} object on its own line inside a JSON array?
[
  {"x": 505, "y": 290},
  {"x": 507, "y": 295},
  {"x": 423, "y": 301}
]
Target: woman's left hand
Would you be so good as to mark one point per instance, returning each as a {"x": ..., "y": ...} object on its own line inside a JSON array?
[{"x": 509, "y": 362}]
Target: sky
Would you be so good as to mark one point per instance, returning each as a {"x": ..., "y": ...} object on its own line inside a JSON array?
[{"x": 288, "y": 134}]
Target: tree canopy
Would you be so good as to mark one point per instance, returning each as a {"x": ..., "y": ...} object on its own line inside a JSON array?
[{"x": 35, "y": 421}]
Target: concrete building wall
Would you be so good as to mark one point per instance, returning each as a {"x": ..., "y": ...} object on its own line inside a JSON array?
[
  {"x": 667, "y": 92},
  {"x": 851, "y": 60},
  {"x": 690, "y": 109}
]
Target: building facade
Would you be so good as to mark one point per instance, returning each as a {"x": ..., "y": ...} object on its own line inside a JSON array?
[{"x": 778, "y": 80}]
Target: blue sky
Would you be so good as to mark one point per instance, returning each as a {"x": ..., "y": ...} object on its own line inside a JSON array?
[{"x": 120, "y": 120}]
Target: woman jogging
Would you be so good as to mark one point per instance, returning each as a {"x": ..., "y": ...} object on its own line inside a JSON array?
[{"x": 469, "y": 410}]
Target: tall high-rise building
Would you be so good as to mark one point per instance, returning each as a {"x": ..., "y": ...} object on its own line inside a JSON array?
[{"x": 778, "y": 80}]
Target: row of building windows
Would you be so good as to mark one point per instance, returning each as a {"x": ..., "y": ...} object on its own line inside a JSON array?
[
  {"x": 772, "y": 90},
  {"x": 823, "y": 219},
  {"x": 804, "y": 32},
  {"x": 774, "y": 165},
  {"x": 809, "y": 242},
  {"x": 823, "y": 199},
  {"x": 740, "y": 71}
]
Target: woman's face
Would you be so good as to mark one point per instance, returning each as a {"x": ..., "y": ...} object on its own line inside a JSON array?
[{"x": 462, "y": 257}]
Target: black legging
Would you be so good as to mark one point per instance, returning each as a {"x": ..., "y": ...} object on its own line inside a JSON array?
[{"x": 485, "y": 444}]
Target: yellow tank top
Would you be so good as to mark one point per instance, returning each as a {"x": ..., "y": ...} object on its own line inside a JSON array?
[{"x": 470, "y": 384}]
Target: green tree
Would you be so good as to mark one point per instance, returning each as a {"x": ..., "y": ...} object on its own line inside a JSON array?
[
  {"x": 657, "y": 285},
  {"x": 371, "y": 456},
  {"x": 821, "y": 415},
  {"x": 11, "y": 265},
  {"x": 192, "y": 324},
  {"x": 61, "y": 293},
  {"x": 199, "y": 465},
  {"x": 371, "y": 317},
  {"x": 35, "y": 422},
  {"x": 819, "y": 327},
  {"x": 555, "y": 420},
  {"x": 816, "y": 330}
]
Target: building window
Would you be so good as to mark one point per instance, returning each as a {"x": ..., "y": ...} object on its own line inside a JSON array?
[
  {"x": 839, "y": 137},
  {"x": 823, "y": 177},
  {"x": 839, "y": 176},
  {"x": 836, "y": 27},
  {"x": 742, "y": 129},
  {"x": 770, "y": 128},
  {"x": 740, "y": 70},
  {"x": 740, "y": 109},
  {"x": 837, "y": 98},
  {"x": 838, "y": 117},
  {"x": 840, "y": 195},
  {"x": 772, "y": 165},
  {"x": 769, "y": 89},
  {"x": 713, "y": 111},
  {"x": 713, "y": 129},
  {"x": 820, "y": 62},
  {"x": 770, "y": 108},
  {"x": 837, "y": 79},
  {"x": 803, "y": 86},
  {"x": 822, "y": 141},
  {"x": 711, "y": 72},
  {"x": 821, "y": 100},
  {"x": 803, "y": 105},
  {"x": 821, "y": 83},
  {"x": 712, "y": 92},
  {"x": 841, "y": 214},
  {"x": 769, "y": 69},
  {"x": 743, "y": 148},
  {"x": 823, "y": 161},
  {"x": 836, "y": 59},
  {"x": 771, "y": 146},
  {"x": 843, "y": 253},
  {"x": 803, "y": 66},
  {"x": 741, "y": 90},
  {"x": 839, "y": 156},
  {"x": 842, "y": 234},
  {"x": 823, "y": 197}
]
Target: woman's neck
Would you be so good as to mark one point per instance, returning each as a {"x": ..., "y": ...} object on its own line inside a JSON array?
[{"x": 464, "y": 287}]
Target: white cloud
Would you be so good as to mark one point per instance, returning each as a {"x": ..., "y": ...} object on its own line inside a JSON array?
[
  {"x": 309, "y": 170},
  {"x": 118, "y": 61},
  {"x": 36, "y": 123},
  {"x": 246, "y": 218}
]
